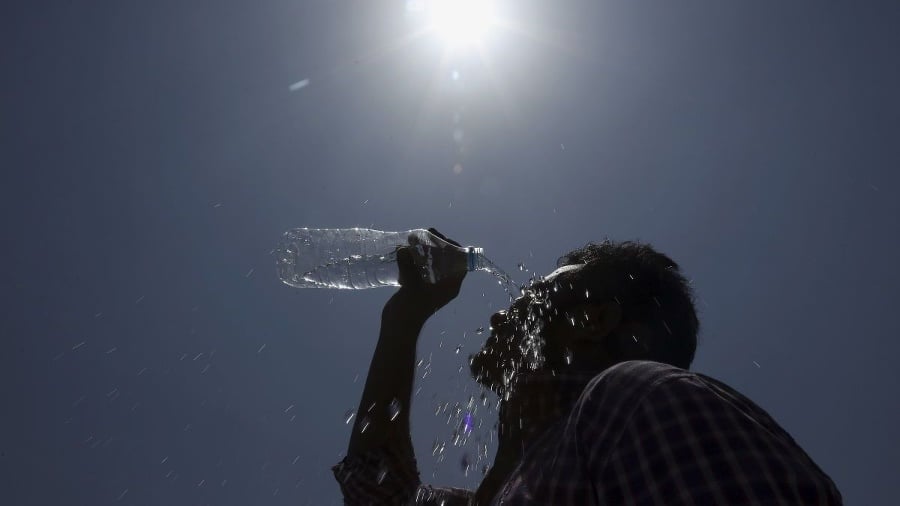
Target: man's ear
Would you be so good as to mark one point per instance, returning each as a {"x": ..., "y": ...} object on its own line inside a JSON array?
[{"x": 600, "y": 319}]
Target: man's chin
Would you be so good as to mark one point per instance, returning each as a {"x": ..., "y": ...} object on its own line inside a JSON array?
[
  {"x": 490, "y": 374},
  {"x": 484, "y": 372}
]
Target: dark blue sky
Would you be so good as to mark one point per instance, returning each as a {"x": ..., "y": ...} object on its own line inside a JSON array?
[{"x": 152, "y": 154}]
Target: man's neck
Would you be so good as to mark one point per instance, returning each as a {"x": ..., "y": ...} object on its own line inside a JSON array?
[{"x": 538, "y": 401}]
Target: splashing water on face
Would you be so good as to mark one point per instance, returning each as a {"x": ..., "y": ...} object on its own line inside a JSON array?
[{"x": 530, "y": 315}]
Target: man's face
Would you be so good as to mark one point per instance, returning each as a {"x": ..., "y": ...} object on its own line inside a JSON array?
[{"x": 516, "y": 341}]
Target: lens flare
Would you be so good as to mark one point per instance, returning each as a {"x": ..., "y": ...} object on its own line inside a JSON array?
[{"x": 468, "y": 423}]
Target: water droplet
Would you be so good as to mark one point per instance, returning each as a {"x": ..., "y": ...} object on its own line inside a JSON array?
[
  {"x": 458, "y": 347},
  {"x": 568, "y": 356},
  {"x": 395, "y": 408},
  {"x": 363, "y": 424},
  {"x": 587, "y": 294},
  {"x": 479, "y": 330},
  {"x": 348, "y": 416},
  {"x": 521, "y": 266},
  {"x": 465, "y": 464}
]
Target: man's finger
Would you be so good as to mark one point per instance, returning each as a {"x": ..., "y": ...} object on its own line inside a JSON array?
[
  {"x": 406, "y": 265},
  {"x": 442, "y": 236}
]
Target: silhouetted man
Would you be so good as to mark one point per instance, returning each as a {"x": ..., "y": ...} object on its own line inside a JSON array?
[{"x": 597, "y": 405}]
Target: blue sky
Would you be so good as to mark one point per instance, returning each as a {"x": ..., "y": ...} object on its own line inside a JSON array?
[{"x": 152, "y": 155}]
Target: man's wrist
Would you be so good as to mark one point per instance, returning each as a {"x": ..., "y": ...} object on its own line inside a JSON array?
[{"x": 408, "y": 306}]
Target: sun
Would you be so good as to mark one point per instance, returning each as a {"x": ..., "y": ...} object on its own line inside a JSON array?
[{"x": 461, "y": 22}]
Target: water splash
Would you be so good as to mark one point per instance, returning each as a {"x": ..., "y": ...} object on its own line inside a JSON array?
[
  {"x": 503, "y": 279},
  {"x": 465, "y": 464}
]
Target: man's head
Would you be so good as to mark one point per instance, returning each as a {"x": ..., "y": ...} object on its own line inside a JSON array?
[{"x": 605, "y": 303}]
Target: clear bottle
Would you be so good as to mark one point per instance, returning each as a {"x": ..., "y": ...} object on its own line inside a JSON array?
[{"x": 357, "y": 258}]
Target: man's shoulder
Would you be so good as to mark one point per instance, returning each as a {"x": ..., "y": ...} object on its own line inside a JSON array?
[
  {"x": 644, "y": 369},
  {"x": 634, "y": 376},
  {"x": 623, "y": 389},
  {"x": 618, "y": 390}
]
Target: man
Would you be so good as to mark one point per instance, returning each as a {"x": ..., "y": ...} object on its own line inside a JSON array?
[{"x": 597, "y": 406}]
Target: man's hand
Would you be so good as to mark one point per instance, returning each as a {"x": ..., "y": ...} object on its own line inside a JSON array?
[{"x": 417, "y": 295}]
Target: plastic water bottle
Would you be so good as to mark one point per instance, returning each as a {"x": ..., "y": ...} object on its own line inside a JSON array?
[{"x": 357, "y": 258}]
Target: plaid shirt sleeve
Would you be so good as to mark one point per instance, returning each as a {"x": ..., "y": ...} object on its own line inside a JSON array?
[
  {"x": 388, "y": 476},
  {"x": 682, "y": 439}
]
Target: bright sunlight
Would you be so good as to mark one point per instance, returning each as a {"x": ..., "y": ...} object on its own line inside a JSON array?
[{"x": 461, "y": 22}]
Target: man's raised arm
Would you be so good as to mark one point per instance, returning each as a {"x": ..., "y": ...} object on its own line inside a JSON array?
[{"x": 380, "y": 465}]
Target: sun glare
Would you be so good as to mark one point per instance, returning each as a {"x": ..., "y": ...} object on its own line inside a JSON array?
[{"x": 461, "y": 22}]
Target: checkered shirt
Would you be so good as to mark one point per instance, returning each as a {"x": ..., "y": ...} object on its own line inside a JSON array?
[{"x": 640, "y": 433}]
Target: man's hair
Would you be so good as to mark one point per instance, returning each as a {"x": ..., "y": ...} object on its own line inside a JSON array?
[{"x": 650, "y": 289}]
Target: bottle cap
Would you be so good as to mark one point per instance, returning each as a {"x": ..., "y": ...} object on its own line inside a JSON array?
[{"x": 472, "y": 256}]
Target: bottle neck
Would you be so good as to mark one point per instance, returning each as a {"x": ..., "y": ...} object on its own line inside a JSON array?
[{"x": 475, "y": 257}]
